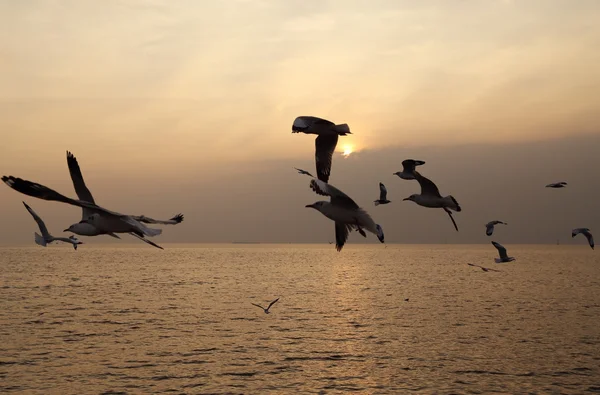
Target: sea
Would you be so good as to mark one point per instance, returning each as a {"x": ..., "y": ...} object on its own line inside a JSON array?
[{"x": 371, "y": 319}]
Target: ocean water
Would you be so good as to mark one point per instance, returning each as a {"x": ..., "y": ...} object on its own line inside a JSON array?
[{"x": 372, "y": 319}]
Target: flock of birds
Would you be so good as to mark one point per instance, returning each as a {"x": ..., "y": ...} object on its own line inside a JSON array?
[{"x": 346, "y": 214}]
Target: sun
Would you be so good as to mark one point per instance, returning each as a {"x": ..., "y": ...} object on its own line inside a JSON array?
[{"x": 348, "y": 149}]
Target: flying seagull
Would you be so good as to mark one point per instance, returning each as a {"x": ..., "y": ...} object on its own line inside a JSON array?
[
  {"x": 344, "y": 212},
  {"x": 99, "y": 218},
  {"x": 489, "y": 227},
  {"x": 502, "y": 252},
  {"x": 382, "y": 195},
  {"x": 485, "y": 269},
  {"x": 408, "y": 171},
  {"x": 300, "y": 171},
  {"x": 46, "y": 237},
  {"x": 430, "y": 197},
  {"x": 83, "y": 193},
  {"x": 327, "y": 137},
  {"x": 267, "y": 309},
  {"x": 586, "y": 233},
  {"x": 561, "y": 184}
]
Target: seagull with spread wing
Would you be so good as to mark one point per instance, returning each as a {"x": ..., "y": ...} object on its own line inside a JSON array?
[
  {"x": 84, "y": 227},
  {"x": 267, "y": 309},
  {"x": 556, "y": 185},
  {"x": 502, "y": 252},
  {"x": 408, "y": 169},
  {"x": 327, "y": 137},
  {"x": 382, "y": 195},
  {"x": 430, "y": 197},
  {"x": 586, "y": 232},
  {"x": 300, "y": 171},
  {"x": 46, "y": 237},
  {"x": 485, "y": 269},
  {"x": 346, "y": 214},
  {"x": 489, "y": 227}
]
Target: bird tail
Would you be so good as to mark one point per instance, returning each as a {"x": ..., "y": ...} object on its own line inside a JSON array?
[
  {"x": 452, "y": 203},
  {"x": 379, "y": 232},
  {"x": 39, "y": 240},
  {"x": 343, "y": 129}
]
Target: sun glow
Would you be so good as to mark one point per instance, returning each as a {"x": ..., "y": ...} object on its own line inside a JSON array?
[{"x": 348, "y": 149}]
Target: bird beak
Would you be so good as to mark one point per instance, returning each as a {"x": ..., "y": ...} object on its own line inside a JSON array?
[
  {"x": 309, "y": 205},
  {"x": 66, "y": 230},
  {"x": 406, "y": 199}
]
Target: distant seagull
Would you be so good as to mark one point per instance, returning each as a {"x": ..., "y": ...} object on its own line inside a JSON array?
[
  {"x": 300, "y": 171},
  {"x": 586, "y": 233},
  {"x": 267, "y": 309},
  {"x": 344, "y": 212},
  {"x": 430, "y": 197},
  {"x": 46, "y": 237},
  {"x": 382, "y": 195},
  {"x": 325, "y": 142},
  {"x": 84, "y": 228},
  {"x": 485, "y": 269},
  {"x": 502, "y": 252},
  {"x": 408, "y": 171},
  {"x": 100, "y": 218},
  {"x": 561, "y": 184},
  {"x": 489, "y": 227}
]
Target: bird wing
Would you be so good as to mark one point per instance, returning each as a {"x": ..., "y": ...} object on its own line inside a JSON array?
[
  {"x": 82, "y": 191},
  {"x": 451, "y": 217},
  {"x": 338, "y": 197},
  {"x": 408, "y": 165},
  {"x": 489, "y": 229},
  {"x": 42, "y": 192},
  {"x": 590, "y": 239},
  {"x": 341, "y": 234},
  {"x": 427, "y": 186},
  {"x": 324, "y": 147},
  {"x": 257, "y": 305},
  {"x": 501, "y": 249},
  {"x": 272, "y": 303},
  {"x": 382, "y": 192},
  {"x": 39, "y": 221},
  {"x": 173, "y": 221},
  {"x": 146, "y": 240}
]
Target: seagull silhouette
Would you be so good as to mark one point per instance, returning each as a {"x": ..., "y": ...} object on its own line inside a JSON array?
[
  {"x": 267, "y": 309},
  {"x": 485, "y": 269}
]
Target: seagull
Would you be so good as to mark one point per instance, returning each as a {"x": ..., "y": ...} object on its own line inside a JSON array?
[
  {"x": 502, "y": 252},
  {"x": 382, "y": 195},
  {"x": 344, "y": 212},
  {"x": 267, "y": 309},
  {"x": 99, "y": 218},
  {"x": 489, "y": 227},
  {"x": 586, "y": 233},
  {"x": 485, "y": 269},
  {"x": 46, "y": 237},
  {"x": 325, "y": 142},
  {"x": 561, "y": 184},
  {"x": 300, "y": 171},
  {"x": 83, "y": 193},
  {"x": 430, "y": 197},
  {"x": 408, "y": 171}
]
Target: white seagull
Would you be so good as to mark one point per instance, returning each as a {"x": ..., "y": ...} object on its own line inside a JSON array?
[
  {"x": 430, "y": 197},
  {"x": 267, "y": 309},
  {"x": 408, "y": 169},
  {"x": 100, "y": 218},
  {"x": 586, "y": 233},
  {"x": 327, "y": 137},
  {"x": 502, "y": 252},
  {"x": 344, "y": 212},
  {"x": 485, "y": 269},
  {"x": 300, "y": 171},
  {"x": 382, "y": 195},
  {"x": 84, "y": 228},
  {"x": 561, "y": 184},
  {"x": 46, "y": 237},
  {"x": 489, "y": 227}
]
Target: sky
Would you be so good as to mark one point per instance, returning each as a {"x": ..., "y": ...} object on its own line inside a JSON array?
[{"x": 187, "y": 106}]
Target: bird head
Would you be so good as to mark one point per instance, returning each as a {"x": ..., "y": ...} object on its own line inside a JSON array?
[
  {"x": 316, "y": 205},
  {"x": 412, "y": 197}
]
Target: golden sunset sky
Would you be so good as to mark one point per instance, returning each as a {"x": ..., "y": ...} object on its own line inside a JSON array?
[{"x": 155, "y": 93}]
